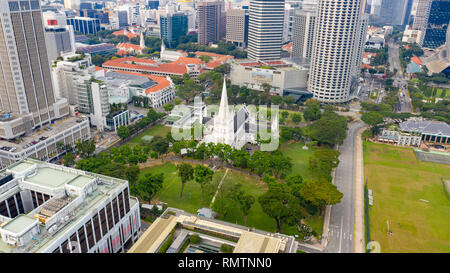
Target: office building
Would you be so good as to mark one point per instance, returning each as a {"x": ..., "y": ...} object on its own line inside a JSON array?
[
  {"x": 237, "y": 27},
  {"x": 59, "y": 36},
  {"x": 265, "y": 31},
  {"x": 394, "y": 12},
  {"x": 172, "y": 27},
  {"x": 334, "y": 50},
  {"x": 360, "y": 45},
  {"x": 437, "y": 24},
  {"x": 209, "y": 21},
  {"x": 27, "y": 98},
  {"x": 84, "y": 25},
  {"x": 49, "y": 208},
  {"x": 303, "y": 34}
]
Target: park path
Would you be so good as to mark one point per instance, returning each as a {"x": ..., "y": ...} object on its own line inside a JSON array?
[{"x": 218, "y": 188}]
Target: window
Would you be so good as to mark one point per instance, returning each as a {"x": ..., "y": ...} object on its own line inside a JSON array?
[
  {"x": 82, "y": 236},
  {"x": 109, "y": 216},
  {"x": 98, "y": 235},
  {"x": 127, "y": 200},
  {"x": 65, "y": 247},
  {"x": 115, "y": 210},
  {"x": 122, "y": 209},
  {"x": 90, "y": 234}
]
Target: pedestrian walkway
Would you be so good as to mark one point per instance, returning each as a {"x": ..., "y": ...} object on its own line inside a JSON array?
[{"x": 218, "y": 188}]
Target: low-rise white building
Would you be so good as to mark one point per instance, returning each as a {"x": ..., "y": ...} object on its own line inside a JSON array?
[{"x": 280, "y": 75}]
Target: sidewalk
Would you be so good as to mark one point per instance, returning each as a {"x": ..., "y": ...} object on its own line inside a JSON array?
[{"x": 359, "y": 241}]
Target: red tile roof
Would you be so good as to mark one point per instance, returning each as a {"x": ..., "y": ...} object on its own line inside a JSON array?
[
  {"x": 125, "y": 46},
  {"x": 122, "y": 32},
  {"x": 406, "y": 47},
  {"x": 146, "y": 65},
  {"x": 187, "y": 60},
  {"x": 97, "y": 68},
  {"x": 366, "y": 66},
  {"x": 288, "y": 47},
  {"x": 417, "y": 60},
  {"x": 218, "y": 59},
  {"x": 369, "y": 54}
]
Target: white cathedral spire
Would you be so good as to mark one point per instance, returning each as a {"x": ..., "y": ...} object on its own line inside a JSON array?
[{"x": 223, "y": 109}]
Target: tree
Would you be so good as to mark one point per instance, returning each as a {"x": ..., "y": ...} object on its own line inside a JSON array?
[
  {"x": 281, "y": 205},
  {"x": 312, "y": 111},
  {"x": 373, "y": 119},
  {"x": 85, "y": 148},
  {"x": 330, "y": 129},
  {"x": 123, "y": 132},
  {"x": 149, "y": 184},
  {"x": 296, "y": 118},
  {"x": 224, "y": 248},
  {"x": 320, "y": 193},
  {"x": 246, "y": 202},
  {"x": 194, "y": 239},
  {"x": 132, "y": 174},
  {"x": 186, "y": 173},
  {"x": 203, "y": 175},
  {"x": 159, "y": 145},
  {"x": 168, "y": 107},
  {"x": 69, "y": 159}
]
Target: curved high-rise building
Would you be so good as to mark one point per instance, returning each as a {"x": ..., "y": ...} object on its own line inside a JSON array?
[{"x": 334, "y": 49}]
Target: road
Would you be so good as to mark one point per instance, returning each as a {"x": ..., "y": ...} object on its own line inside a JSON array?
[
  {"x": 399, "y": 80},
  {"x": 341, "y": 229}
]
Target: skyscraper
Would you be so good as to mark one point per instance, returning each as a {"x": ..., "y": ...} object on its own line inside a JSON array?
[
  {"x": 303, "y": 33},
  {"x": 395, "y": 12},
  {"x": 173, "y": 25},
  {"x": 209, "y": 21},
  {"x": 265, "y": 31},
  {"x": 237, "y": 27},
  {"x": 433, "y": 22},
  {"x": 27, "y": 97},
  {"x": 336, "y": 36}
]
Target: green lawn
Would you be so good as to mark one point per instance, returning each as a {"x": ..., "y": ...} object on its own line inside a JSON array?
[
  {"x": 157, "y": 130},
  {"x": 191, "y": 201},
  {"x": 300, "y": 157},
  {"x": 398, "y": 181},
  {"x": 192, "y": 194}
]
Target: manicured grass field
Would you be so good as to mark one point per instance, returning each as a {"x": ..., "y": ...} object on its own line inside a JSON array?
[
  {"x": 192, "y": 194},
  {"x": 157, "y": 130},
  {"x": 399, "y": 181}
]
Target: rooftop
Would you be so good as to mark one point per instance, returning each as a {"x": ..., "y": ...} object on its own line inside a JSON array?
[
  {"x": 69, "y": 195},
  {"x": 19, "y": 224},
  {"x": 145, "y": 65},
  {"x": 251, "y": 242},
  {"x": 38, "y": 135},
  {"x": 428, "y": 127}
]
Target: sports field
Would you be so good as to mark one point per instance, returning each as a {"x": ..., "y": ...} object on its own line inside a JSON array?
[{"x": 409, "y": 196}]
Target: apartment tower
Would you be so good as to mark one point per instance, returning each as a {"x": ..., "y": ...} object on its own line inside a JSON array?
[
  {"x": 265, "y": 31},
  {"x": 336, "y": 36}
]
